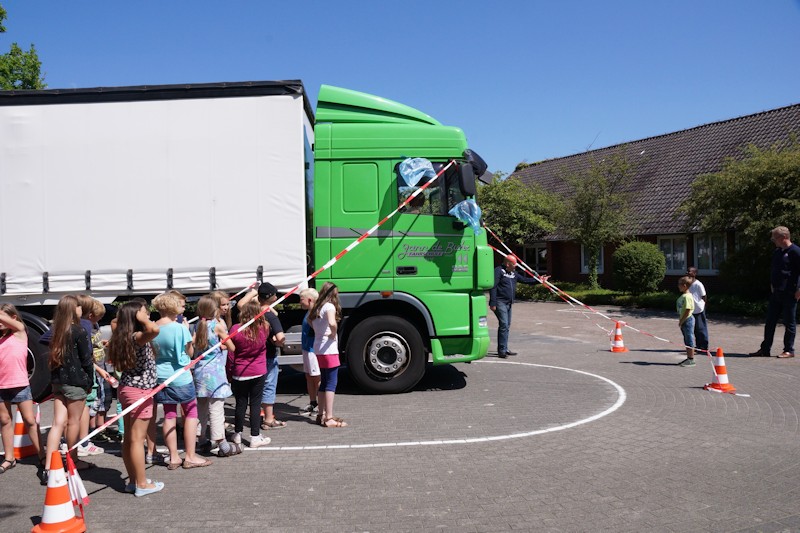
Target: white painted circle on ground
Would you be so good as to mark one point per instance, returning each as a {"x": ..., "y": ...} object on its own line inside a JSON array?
[{"x": 621, "y": 396}]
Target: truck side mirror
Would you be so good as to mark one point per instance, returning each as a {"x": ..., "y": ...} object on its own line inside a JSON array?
[{"x": 466, "y": 176}]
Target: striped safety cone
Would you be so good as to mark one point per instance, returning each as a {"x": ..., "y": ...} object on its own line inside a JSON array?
[
  {"x": 617, "y": 345},
  {"x": 59, "y": 513},
  {"x": 720, "y": 380},
  {"x": 23, "y": 447}
]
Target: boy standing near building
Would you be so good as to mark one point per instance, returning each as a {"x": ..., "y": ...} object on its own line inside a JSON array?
[
  {"x": 685, "y": 307},
  {"x": 698, "y": 292}
]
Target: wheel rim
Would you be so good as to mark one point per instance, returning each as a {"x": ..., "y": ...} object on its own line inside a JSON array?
[{"x": 387, "y": 354}]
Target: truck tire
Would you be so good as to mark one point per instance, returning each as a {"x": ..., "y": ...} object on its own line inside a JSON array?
[
  {"x": 38, "y": 369},
  {"x": 386, "y": 355}
]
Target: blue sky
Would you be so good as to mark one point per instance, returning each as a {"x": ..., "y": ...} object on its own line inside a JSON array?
[{"x": 526, "y": 80}]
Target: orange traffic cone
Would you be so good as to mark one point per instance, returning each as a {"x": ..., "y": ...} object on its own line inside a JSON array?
[
  {"x": 617, "y": 345},
  {"x": 720, "y": 380},
  {"x": 59, "y": 513},
  {"x": 23, "y": 447}
]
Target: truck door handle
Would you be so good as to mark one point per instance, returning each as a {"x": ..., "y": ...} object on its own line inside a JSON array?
[{"x": 406, "y": 270}]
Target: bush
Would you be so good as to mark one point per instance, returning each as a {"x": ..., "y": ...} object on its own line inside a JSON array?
[{"x": 639, "y": 267}]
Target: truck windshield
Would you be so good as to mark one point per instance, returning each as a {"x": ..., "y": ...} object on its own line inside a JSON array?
[{"x": 438, "y": 198}]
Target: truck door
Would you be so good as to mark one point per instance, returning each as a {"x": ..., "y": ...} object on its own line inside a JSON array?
[{"x": 433, "y": 252}]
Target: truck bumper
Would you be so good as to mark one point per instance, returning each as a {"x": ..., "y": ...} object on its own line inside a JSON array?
[{"x": 463, "y": 349}]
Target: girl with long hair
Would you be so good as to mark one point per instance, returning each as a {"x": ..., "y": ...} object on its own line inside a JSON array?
[
  {"x": 14, "y": 385},
  {"x": 209, "y": 376},
  {"x": 71, "y": 374},
  {"x": 131, "y": 352},
  {"x": 324, "y": 315},
  {"x": 247, "y": 369},
  {"x": 224, "y": 303}
]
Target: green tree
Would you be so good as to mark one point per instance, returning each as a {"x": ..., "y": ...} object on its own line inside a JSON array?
[
  {"x": 516, "y": 212},
  {"x": 750, "y": 195},
  {"x": 639, "y": 267},
  {"x": 19, "y": 69},
  {"x": 595, "y": 210}
]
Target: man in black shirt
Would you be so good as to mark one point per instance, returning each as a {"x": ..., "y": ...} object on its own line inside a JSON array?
[{"x": 785, "y": 286}]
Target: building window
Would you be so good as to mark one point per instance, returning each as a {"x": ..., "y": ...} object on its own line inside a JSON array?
[
  {"x": 585, "y": 261},
  {"x": 709, "y": 252},
  {"x": 536, "y": 257},
  {"x": 674, "y": 250}
]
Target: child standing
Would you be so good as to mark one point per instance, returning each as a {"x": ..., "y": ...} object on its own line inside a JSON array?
[
  {"x": 247, "y": 368},
  {"x": 685, "y": 307},
  {"x": 71, "y": 373},
  {"x": 88, "y": 323},
  {"x": 131, "y": 351},
  {"x": 173, "y": 351},
  {"x": 14, "y": 386},
  {"x": 209, "y": 376},
  {"x": 310, "y": 363},
  {"x": 325, "y": 314}
]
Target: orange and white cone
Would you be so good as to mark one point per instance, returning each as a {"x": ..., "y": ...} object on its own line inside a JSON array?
[
  {"x": 23, "y": 447},
  {"x": 720, "y": 380},
  {"x": 617, "y": 345},
  {"x": 59, "y": 513}
]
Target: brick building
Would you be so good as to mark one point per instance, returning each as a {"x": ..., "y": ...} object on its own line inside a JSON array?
[{"x": 665, "y": 167}]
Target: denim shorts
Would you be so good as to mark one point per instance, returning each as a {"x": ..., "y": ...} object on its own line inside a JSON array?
[
  {"x": 180, "y": 394},
  {"x": 271, "y": 384},
  {"x": 16, "y": 395},
  {"x": 688, "y": 332}
]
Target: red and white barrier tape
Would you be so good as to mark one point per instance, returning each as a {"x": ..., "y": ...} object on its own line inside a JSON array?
[{"x": 324, "y": 267}]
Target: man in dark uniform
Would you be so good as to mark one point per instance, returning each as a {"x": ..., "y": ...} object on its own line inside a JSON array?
[
  {"x": 785, "y": 286},
  {"x": 501, "y": 298}
]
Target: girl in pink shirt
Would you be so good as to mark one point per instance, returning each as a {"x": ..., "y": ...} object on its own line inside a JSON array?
[{"x": 14, "y": 386}]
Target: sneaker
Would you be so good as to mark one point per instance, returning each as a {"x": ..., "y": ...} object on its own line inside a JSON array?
[
  {"x": 205, "y": 447},
  {"x": 308, "y": 410},
  {"x": 258, "y": 441},
  {"x": 154, "y": 459},
  {"x": 237, "y": 437},
  {"x": 687, "y": 362},
  {"x": 89, "y": 449},
  {"x": 130, "y": 488},
  {"x": 144, "y": 492}
]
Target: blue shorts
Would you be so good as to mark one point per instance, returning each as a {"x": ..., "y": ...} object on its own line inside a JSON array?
[
  {"x": 688, "y": 332},
  {"x": 329, "y": 379},
  {"x": 16, "y": 395},
  {"x": 174, "y": 395},
  {"x": 271, "y": 385}
]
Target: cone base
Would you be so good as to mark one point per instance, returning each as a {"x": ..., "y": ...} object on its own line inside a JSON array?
[
  {"x": 727, "y": 387},
  {"x": 22, "y": 453},
  {"x": 75, "y": 525},
  {"x": 617, "y": 349}
]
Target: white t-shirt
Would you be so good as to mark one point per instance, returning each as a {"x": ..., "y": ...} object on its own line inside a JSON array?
[
  {"x": 324, "y": 343},
  {"x": 698, "y": 290}
]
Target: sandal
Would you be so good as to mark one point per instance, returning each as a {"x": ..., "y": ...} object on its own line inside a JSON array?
[
  {"x": 187, "y": 465},
  {"x": 337, "y": 423},
  {"x": 11, "y": 464},
  {"x": 319, "y": 420},
  {"x": 275, "y": 424},
  {"x": 174, "y": 466}
]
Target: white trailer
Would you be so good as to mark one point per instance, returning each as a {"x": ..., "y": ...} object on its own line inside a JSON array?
[{"x": 129, "y": 191}]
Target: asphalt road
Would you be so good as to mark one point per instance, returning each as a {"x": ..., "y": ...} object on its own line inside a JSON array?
[{"x": 566, "y": 436}]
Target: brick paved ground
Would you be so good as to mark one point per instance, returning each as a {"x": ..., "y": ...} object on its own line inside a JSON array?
[{"x": 673, "y": 457}]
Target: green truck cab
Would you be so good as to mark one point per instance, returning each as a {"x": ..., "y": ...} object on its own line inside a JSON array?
[{"x": 417, "y": 285}]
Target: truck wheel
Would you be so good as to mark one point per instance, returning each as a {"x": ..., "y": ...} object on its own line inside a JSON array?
[
  {"x": 385, "y": 355},
  {"x": 38, "y": 369}
]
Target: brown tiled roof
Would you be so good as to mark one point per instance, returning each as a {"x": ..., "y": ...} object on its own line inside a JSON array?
[{"x": 667, "y": 165}]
